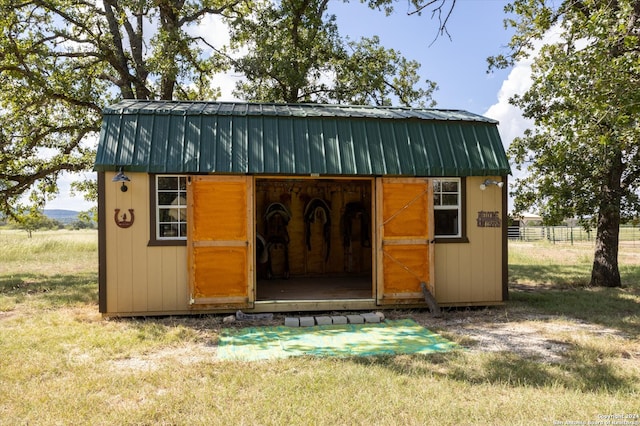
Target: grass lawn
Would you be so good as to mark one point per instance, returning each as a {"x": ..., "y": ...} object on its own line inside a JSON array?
[{"x": 62, "y": 363}]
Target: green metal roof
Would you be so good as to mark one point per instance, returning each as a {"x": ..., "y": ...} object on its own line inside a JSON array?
[{"x": 297, "y": 139}]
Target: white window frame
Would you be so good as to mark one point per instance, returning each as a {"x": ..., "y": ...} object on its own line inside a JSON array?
[
  {"x": 439, "y": 206},
  {"x": 181, "y": 206}
]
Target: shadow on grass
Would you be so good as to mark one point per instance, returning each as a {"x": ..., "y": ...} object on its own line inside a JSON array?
[
  {"x": 616, "y": 308},
  {"x": 583, "y": 370},
  {"x": 563, "y": 290},
  {"x": 577, "y": 275},
  {"x": 559, "y": 275},
  {"x": 575, "y": 373},
  {"x": 51, "y": 290}
]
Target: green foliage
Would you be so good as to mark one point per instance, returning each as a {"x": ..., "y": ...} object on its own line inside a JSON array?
[
  {"x": 295, "y": 54},
  {"x": 371, "y": 74},
  {"x": 584, "y": 100},
  {"x": 62, "y": 62},
  {"x": 582, "y": 158},
  {"x": 33, "y": 219}
]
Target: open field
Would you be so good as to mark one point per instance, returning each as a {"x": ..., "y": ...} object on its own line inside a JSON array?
[{"x": 556, "y": 352}]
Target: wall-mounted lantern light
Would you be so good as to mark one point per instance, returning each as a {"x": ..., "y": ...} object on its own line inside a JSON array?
[
  {"x": 488, "y": 182},
  {"x": 121, "y": 177}
]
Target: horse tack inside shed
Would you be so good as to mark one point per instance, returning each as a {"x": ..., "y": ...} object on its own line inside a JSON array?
[{"x": 273, "y": 207}]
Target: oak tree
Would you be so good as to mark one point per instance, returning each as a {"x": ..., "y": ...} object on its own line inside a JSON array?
[
  {"x": 61, "y": 62},
  {"x": 582, "y": 158},
  {"x": 296, "y": 54}
]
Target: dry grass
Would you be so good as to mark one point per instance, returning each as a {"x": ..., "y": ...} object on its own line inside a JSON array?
[
  {"x": 59, "y": 251},
  {"x": 565, "y": 265},
  {"x": 62, "y": 363}
]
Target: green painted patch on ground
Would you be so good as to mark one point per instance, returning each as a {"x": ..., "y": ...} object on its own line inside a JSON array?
[{"x": 387, "y": 338}]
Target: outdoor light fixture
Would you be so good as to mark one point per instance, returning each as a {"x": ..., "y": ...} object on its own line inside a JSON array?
[
  {"x": 121, "y": 177},
  {"x": 488, "y": 182}
]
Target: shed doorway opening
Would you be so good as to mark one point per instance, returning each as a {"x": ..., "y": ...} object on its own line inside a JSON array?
[{"x": 313, "y": 239}]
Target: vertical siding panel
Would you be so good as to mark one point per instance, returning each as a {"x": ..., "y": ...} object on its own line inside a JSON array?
[
  {"x": 154, "y": 279},
  {"x": 182, "y": 279},
  {"x": 442, "y": 288},
  {"x": 124, "y": 242},
  {"x": 111, "y": 245},
  {"x": 378, "y": 232},
  {"x": 448, "y": 282},
  {"x": 479, "y": 254},
  {"x": 465, "y": 255},
  {"x": 493, "y": 238},
  {"x": 139, "y": 231},
  {"x": 169, "y": 279}
]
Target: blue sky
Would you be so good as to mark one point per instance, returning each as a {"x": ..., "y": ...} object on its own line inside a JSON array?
[{"x": 457, "y": 64}]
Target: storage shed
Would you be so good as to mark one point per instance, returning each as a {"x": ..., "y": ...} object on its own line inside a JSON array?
[{"x": 220, "y": 206}]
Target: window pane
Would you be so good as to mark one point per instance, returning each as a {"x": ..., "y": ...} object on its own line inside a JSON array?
[
  {"x": 171, "y": 207},
  {"x": 167, "y": 198},
  {"x": 450, "y": 199},
  {"x": 446, "y": 222},
  {"x": 450, "y": 186},
  {"x": 165, "y": 182},
  {"x": 170, "y": 215},
  {"x": 168, "y": 230},
  {"x": 446, "y": 207}
]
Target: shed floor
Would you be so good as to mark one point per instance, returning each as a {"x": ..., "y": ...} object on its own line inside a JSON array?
[{"x": 316, "y": 288}]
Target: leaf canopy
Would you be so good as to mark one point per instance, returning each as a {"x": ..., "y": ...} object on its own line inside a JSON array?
[{"x": 585, "y": 102}]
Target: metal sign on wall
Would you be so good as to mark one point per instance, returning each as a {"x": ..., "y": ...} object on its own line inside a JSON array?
[{"x": 489, "y": 219}]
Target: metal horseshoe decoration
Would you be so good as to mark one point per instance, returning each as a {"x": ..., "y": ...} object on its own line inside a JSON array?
[{"x": 124, "y": 223}]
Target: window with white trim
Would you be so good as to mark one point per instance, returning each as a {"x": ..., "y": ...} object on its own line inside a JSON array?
[
  {"x": 447, "y": 202},
  {"x": 171, "y": 207}
]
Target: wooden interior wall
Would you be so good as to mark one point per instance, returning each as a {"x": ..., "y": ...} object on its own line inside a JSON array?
[{"x": 308, "y": 256}]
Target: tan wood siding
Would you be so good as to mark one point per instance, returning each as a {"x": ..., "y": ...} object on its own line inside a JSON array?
[
  {"x": 140, "y": 279},
  {"x": 471, "y": 273}
]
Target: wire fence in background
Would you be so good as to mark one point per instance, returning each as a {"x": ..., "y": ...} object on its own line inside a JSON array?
[{"x": 570, "y": 234}]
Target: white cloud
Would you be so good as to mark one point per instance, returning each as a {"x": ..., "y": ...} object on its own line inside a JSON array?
[
  {"x": 64, "y": 200},
  {"x": 226, "y": 82},
  {"x": 215, "y": 32},
  {"x": 512, "y": 123}
]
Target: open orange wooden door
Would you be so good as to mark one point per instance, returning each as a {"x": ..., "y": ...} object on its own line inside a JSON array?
[
  {"x": 220, "y": 241},
  {"x": 404, "y": 212}
]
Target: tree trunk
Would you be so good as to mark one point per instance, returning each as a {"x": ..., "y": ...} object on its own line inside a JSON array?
[{"x": 605, "y": 272}]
